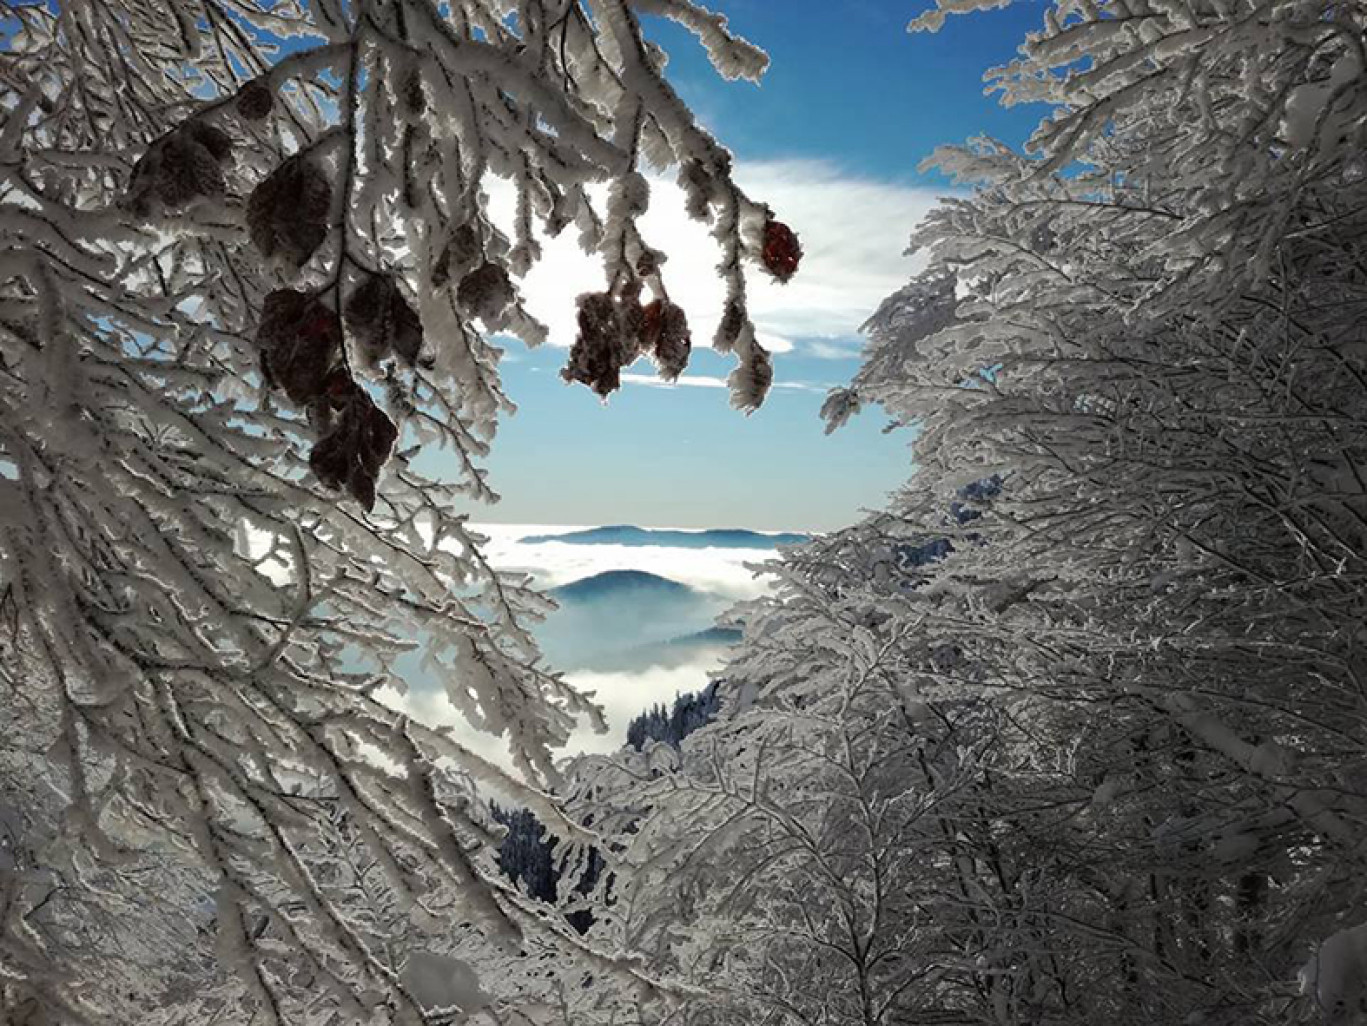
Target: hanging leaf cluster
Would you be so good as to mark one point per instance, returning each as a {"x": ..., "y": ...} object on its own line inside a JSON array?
[
  {"x": 614, "y": 331},
  {"x": 302, "y": 353},
  {"x": 205, "y": 633}
]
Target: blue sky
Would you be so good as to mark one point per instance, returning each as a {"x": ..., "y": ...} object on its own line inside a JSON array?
[{"x": 831, "y": 138}]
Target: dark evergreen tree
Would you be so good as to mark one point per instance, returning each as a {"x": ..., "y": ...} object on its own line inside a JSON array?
[
  {"x": 691, "y": 711},
  {"x": 525, "y": 854}
]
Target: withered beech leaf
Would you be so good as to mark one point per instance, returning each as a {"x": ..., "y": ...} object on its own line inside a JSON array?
[
  {"x": 255, "y": 100},
  {"x": 381, "y": 321},
  {"x": 351, "y": 454},
  {"x": 182, "y": 166},
  {"x": 461, "y": 251},
  {"x": 485, "y": 292},
  {"x": 728, "y": 331},
  {"x": 300, "y": 339},
  {"x": 287, "y": 214},
  {"x": 665, "y": 335},
  {"x": 215, "y": 140},
  {"x": 609, "y": 339},
  {"x": 781, "y": 252}
]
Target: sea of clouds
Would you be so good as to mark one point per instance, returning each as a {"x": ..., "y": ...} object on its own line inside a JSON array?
[
  {"x": 724, "y": 575},
  {"x": 718, "y": 570}
]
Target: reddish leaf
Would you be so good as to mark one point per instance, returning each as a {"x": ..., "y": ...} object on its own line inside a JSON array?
[
  {"x": 781, "y": 251},
  {"x": 665, "y": 335},
  {"x": 338, "y": 387}
]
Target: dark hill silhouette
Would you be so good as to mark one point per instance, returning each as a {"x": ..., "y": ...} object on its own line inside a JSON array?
[
  {"x": 626, "y": 534},
  {"x": 612, "y": 584},
  {"x": 620, "y": 610}
]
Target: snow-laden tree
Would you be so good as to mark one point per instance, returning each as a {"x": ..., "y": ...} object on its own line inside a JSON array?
[
  {"x": 1136, "y": 540},
  {"x": 1148, "y": 326},
  {"x": 784, "y": 863},
  {"x": 249, "y": 277},
  {"x": 846, "y": 844}
]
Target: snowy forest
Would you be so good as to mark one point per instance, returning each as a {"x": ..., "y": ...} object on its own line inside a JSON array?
[{"x": 1073, "y": 731}]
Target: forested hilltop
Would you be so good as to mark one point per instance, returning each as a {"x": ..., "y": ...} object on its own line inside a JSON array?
[{"x": 1072, "y": 732}]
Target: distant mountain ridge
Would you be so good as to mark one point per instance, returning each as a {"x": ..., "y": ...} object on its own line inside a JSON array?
[
  {"x": 712, "y": 538},
  {"x": 707, "y": 636},
  {"x": 666, "y": 653}
]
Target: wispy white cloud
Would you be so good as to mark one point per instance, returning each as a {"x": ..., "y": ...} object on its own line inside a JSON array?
[
  {"x": 831, "y": 349},
  {"x": 854, "y": 233},
  {"x": 709, "y": 381},
  {"x": 773, "y": 343},
  {"x": 683, "y": 381}
]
